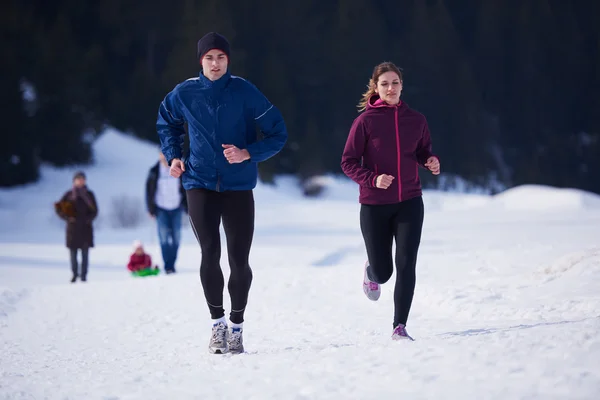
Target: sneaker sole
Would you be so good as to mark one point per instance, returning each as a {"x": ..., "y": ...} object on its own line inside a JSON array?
[
  {"x": 400, "y": 338},
  {"x": 373, "y": 296},
  {"x": 217, "y": 351}
]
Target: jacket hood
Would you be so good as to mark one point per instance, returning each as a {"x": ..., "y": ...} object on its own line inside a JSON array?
[{"x": 375, "y": 102}]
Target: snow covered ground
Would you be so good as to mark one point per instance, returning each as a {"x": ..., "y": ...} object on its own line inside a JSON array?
[{"x": 507, "y": 304}]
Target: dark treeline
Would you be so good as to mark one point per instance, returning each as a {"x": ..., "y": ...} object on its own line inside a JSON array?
[{"x": 511, "y": 88}]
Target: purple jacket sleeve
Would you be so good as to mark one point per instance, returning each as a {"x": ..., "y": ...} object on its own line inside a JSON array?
[
  {"x": 424, "y": 148},
  {"x": 352, "y": 156}
]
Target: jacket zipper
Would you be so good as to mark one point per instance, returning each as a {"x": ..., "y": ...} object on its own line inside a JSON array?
[
  {"x": 216, "y": 129},
  {"x": 398, "y": 153}
]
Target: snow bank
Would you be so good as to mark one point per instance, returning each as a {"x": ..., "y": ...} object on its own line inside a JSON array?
[{"x": 543, "y": 198}]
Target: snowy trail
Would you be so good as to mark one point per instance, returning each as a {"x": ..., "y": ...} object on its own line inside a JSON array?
[
  {"x": 507, "y": 303},
  {"x": 491, "y": 320}
]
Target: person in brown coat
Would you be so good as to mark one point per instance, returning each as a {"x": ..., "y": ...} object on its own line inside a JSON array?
[{"x": 79, "y": 208}]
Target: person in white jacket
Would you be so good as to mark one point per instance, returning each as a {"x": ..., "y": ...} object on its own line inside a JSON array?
[{"x": 166, "y": 201}]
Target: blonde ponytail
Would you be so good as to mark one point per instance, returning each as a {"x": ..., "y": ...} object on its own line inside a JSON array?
[{"x": 362, "y": 105}]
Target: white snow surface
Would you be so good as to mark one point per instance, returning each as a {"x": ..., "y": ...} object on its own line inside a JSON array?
[{"x": 507, "y": 302}]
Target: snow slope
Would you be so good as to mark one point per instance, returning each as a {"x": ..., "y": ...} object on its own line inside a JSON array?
[{"x": 507, "y": 304}]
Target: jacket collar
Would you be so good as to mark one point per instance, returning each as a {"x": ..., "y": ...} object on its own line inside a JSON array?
[
  {"x": 375, "y": 102},
  {"x": 215, "y": 85}
]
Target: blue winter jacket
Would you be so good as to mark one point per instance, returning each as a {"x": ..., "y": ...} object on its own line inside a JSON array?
[{"x": 225, "y": 111}]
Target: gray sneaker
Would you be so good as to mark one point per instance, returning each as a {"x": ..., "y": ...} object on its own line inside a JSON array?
[
  {"x": 371, "y": 289},
  {"x": 218, "y": 340},
  {"x": 235, "y": 341}
]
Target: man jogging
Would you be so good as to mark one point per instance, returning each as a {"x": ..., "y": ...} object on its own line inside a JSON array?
[{"x": 220, "y": 173}]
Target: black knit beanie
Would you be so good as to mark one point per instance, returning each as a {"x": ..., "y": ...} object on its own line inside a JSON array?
[{"x": 210, "y": 41}]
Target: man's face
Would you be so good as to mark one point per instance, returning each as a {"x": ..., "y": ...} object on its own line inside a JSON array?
[{"x": 214, "y": 64}]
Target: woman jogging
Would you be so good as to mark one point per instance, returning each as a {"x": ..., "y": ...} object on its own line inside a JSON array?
[{"x": 386, "y": 145}]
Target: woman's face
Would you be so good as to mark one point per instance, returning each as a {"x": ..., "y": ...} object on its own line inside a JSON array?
[{"x": 389, "y": 87}]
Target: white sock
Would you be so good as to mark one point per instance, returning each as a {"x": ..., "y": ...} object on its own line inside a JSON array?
[
  {"x": 216, "y": 321},
  {"x": 236, "y": 326}
]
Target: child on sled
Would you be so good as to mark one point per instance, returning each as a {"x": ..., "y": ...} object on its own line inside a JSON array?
[{"x": 140, "y": 263}]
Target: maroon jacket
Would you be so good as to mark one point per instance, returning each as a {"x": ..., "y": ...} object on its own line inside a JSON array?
[{"x": 392, "y": 140}]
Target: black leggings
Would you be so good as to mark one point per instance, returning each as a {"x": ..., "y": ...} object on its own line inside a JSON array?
[
  {"x": 380, "y": 225},
  {"x": 236, "y": 208}
]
